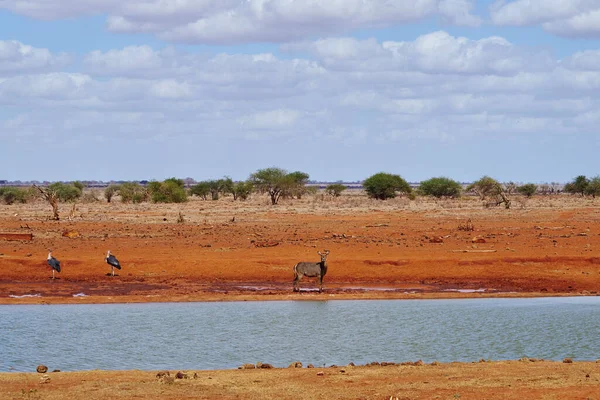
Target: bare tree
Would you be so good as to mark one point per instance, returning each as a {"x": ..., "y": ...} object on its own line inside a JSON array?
[{"x": 52, "y": 198}]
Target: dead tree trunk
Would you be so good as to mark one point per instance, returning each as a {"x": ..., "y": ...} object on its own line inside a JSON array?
[{"x": 52, "y": 198}]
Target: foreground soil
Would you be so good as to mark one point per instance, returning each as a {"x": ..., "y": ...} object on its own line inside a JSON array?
[
  {"x": 226, "y": 250},
  {"x": 483, "y": 380}
]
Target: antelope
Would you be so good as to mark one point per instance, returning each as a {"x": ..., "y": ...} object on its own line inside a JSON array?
[{"x": 312, "y": 270}]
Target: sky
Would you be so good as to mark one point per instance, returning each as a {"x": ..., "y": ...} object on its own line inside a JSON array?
[{"x": 339, "y": 89}]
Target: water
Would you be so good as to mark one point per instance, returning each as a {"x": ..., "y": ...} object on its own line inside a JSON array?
[{"x": 226, "y": 335}]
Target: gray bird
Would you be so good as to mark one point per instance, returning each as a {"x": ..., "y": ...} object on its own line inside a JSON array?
[
  {"x": 113, "y": 262},
  {"x": 53, "y": 263}
]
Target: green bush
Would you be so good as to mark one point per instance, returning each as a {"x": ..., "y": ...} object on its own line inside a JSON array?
[
  {"x": 578, "y": 185},
  {"x": 490, "y": 190},
  {"x": 593, "y": 187},
  {"x": 440, "y": 187},
  {"x": 528, "y": 190},
  {"x": 279, "y": 183},
  {"x": 11, "y": 195},
  {"x": 201, "y": 189},
  {"x": 242, "y": 190},
  {"x": 65, "y": 191},
  {"x": 132, "y": 192},
  {"x": 383, "y": 186},
  {"x": 170, "y": 190},
  {"x": 110, "y": 191},
  {"x": 335, "y": 189}
]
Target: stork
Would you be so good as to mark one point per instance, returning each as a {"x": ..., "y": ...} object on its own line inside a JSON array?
[
  {"x": 53, "y": 263},
  {"x": 113, "y": 262}
]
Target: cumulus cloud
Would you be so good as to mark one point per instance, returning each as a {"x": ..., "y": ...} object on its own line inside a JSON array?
[
  {"x": 349, "y": 91},
  {"x": 577, "y": 18},
  {"x": 17, "y": 58},
  {"x": 436, "y": 53},
  {"x": 236, "y": 21}
]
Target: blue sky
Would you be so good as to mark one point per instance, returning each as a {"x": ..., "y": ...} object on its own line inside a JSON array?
[{"x": 340, "y": 89}]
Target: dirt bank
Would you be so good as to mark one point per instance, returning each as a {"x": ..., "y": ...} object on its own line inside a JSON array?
[
  {"x": 482, "y": 380},
  {"x": 227, "y": 250}
]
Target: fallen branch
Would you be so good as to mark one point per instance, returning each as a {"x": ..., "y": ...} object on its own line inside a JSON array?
[{"x": 473, "y": 251}]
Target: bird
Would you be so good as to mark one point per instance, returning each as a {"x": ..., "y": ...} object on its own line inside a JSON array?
[
  {"x": 53, "y": 263},
  {"x": 113, "y": 262}
]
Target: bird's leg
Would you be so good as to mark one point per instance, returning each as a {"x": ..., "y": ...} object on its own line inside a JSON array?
[
  {"x": 52, "y": 273},
  {"x": 113, "y": 270}
]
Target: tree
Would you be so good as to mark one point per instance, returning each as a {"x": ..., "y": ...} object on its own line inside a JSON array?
[
  {"x": 170, "y": 190},
  {"x": 132, "y": 192},
  {"x": 528, "y": 190},
  {"x": 335, "y": 189},
  {"x": 110, "y": 191},
  {"x": 383, "y": 186},
  {"x": 577, "y": 185},
  {"x": 201, "y": 189},
  {"x": 66, "y": 191},
  {"x": 296, "y": 184},
  {"x": 272, "y": 181},
  {"x": 241, "y": 190},
  {"x": 440, "y": 187},
  {"x": 593, "y": 187},
  {"x": 52, "y": 198},
  {"x": 491, "y": 190}
]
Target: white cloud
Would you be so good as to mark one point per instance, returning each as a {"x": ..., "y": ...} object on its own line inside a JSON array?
[
  {"x": 270, "y": 120},
  {"x": 436, "y": 53},
  {"x": 565, "y": 18},
  {"x": 236, "y": 21},
  {"x": 18, "y": 58}
]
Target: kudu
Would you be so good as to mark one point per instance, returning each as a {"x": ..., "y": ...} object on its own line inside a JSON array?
[{"x": 311, "y": 270}]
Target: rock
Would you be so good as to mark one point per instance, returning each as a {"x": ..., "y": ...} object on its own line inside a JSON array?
[
  {"x": 296, "y": 364},
  {"x": 320, "y": 373},
  {"x": 247, "y": 366},
  {"x": 71, "y": 234},
  {"x": 180, "y": 375},
  {"x": 436, "y": 239},
  {"x": 42, "y": 369},
  {"x": 45, "y": 379},
  {"x": 568, "y": 361},
  {"x": 312, "y": 366},
  {"x": 56, "y": 370},
  {"x": 478, "y": 239},
  {"x": 263, "y": 365},
  {"x": 162, "y": 374}
]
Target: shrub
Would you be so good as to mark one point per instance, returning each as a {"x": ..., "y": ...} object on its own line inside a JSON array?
[
  {"x": 384, "y": 186},
  {"x": 241, "y": 190},
  {"x": 65, "y": 191},
  {"x": 279, "y": 183},
  {"x": 132, "y": 192},
  {"x": 578, "y": 185},
  {"x": 527, "y": 190},
  {"x": 491, "y": 190},
  {"x": 593, "y": 187},
  {"x": 335, "y": 189},
  {"x": 440, "y": 187},
  {"x": 201, "y": 189},
  {"x": 11, "y": 195},
  {"x": 170, "y": 190},
  {"x": 110, "y": 191}
]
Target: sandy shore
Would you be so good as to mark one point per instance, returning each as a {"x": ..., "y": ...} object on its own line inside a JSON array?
[
  {"x": 229, "y": 250},
  {"x": 481, "y": 380}
]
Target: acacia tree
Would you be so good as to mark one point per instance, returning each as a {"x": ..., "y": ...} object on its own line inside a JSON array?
[
  {"x": 383, "y": 186},
  {"x": 241, "y": 190},
  {"x": 170, "y": 190},
  {"x": 335, "y": 189},
  {"x": 578, "y": 185},
  {"x": 277, "y": 182},
  {"x": 527, "y": 190},
  {"x": 440, "y": 187},
  {"x": 490, "y": 190},
  {"x": 593, "y": 187},
  {"x": 296, "y": 184},
  {"x": 52, "y": 198}
]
